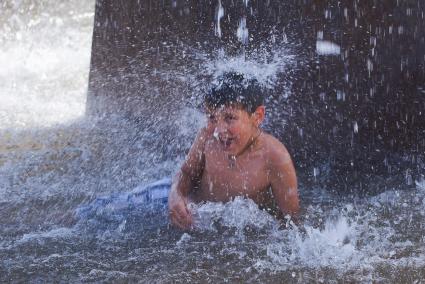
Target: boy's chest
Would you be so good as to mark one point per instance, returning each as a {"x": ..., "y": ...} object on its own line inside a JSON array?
[{"x": 224, "y": 178}]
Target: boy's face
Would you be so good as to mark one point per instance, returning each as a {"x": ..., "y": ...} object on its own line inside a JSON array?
[{"x": 233, "y": 127}]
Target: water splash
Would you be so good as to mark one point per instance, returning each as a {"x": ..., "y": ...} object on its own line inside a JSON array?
[
  {"x": 41, "y": 58},
  {"x": 242, "y": 32},
  {"x": 219, "y": 15},
  {"x": 351, "y": 238},
  {"x": 332, "y": 246},
  {"x": 420, "y": 184},
  {"x": 237, "y": 214},
  {"x": 45, "y": 174},
  {"x": 324, "y": 47},
  {"x": 265, "y": 70}
]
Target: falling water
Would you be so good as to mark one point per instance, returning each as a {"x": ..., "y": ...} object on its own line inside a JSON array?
[{"x": 72, "y": 186}]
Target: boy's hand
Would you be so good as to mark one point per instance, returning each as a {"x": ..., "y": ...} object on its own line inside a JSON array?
[
  {"x": 180, "y": 215},
  {"x": 184, "y": 181}
]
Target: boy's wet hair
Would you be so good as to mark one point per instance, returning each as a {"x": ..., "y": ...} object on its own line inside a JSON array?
[{"x": 234, "y": 89}]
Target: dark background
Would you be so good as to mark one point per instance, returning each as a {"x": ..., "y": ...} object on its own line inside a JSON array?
[{"x": 376, "y": 84}]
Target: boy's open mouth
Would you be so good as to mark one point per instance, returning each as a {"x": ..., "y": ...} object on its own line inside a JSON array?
[{"x": 226, "y": 143}]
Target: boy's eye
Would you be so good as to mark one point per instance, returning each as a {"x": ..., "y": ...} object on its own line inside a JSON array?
[{"x": 230, "y": 117}]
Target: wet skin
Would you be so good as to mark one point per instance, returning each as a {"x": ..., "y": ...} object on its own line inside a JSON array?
[{"x": 232, "y": 157}]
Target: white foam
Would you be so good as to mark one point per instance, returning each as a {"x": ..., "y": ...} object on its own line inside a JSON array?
[
  {"x": 43, "y": 79},
  {"x": 237, "y": 214},
  {"x": 351, "y": 238},
  {"x": 331, "y": 246}
]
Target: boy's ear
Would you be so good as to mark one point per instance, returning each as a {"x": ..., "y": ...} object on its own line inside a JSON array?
[{"x": 259, "y": 115}]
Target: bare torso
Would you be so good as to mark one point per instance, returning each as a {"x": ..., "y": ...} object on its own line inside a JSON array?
[{"x": 223, "y": 179}]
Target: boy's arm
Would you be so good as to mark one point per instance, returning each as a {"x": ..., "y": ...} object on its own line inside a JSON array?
[
  {"x": 283, "y": 181},
  {"x": 184, "y": 181}
]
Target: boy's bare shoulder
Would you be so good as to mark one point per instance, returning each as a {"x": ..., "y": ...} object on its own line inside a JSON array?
[
  {"x": 275, "y": 151},
  {"x": 194, "y": 160},
  {"x": 203, "y": 136}
]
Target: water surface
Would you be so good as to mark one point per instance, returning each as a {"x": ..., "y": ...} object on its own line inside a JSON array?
[{"x": 54, "y": 160}]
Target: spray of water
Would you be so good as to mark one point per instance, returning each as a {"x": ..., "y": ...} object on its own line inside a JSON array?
[
  {"x": 45, "y": 63},
  {"x": 54, "y": 163}
]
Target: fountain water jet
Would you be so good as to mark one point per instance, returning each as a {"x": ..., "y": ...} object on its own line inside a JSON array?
[{"x": 356, "y": 114}]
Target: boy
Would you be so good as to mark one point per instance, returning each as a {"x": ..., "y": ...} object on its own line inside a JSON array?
[{"x": 232, "y": 156}]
